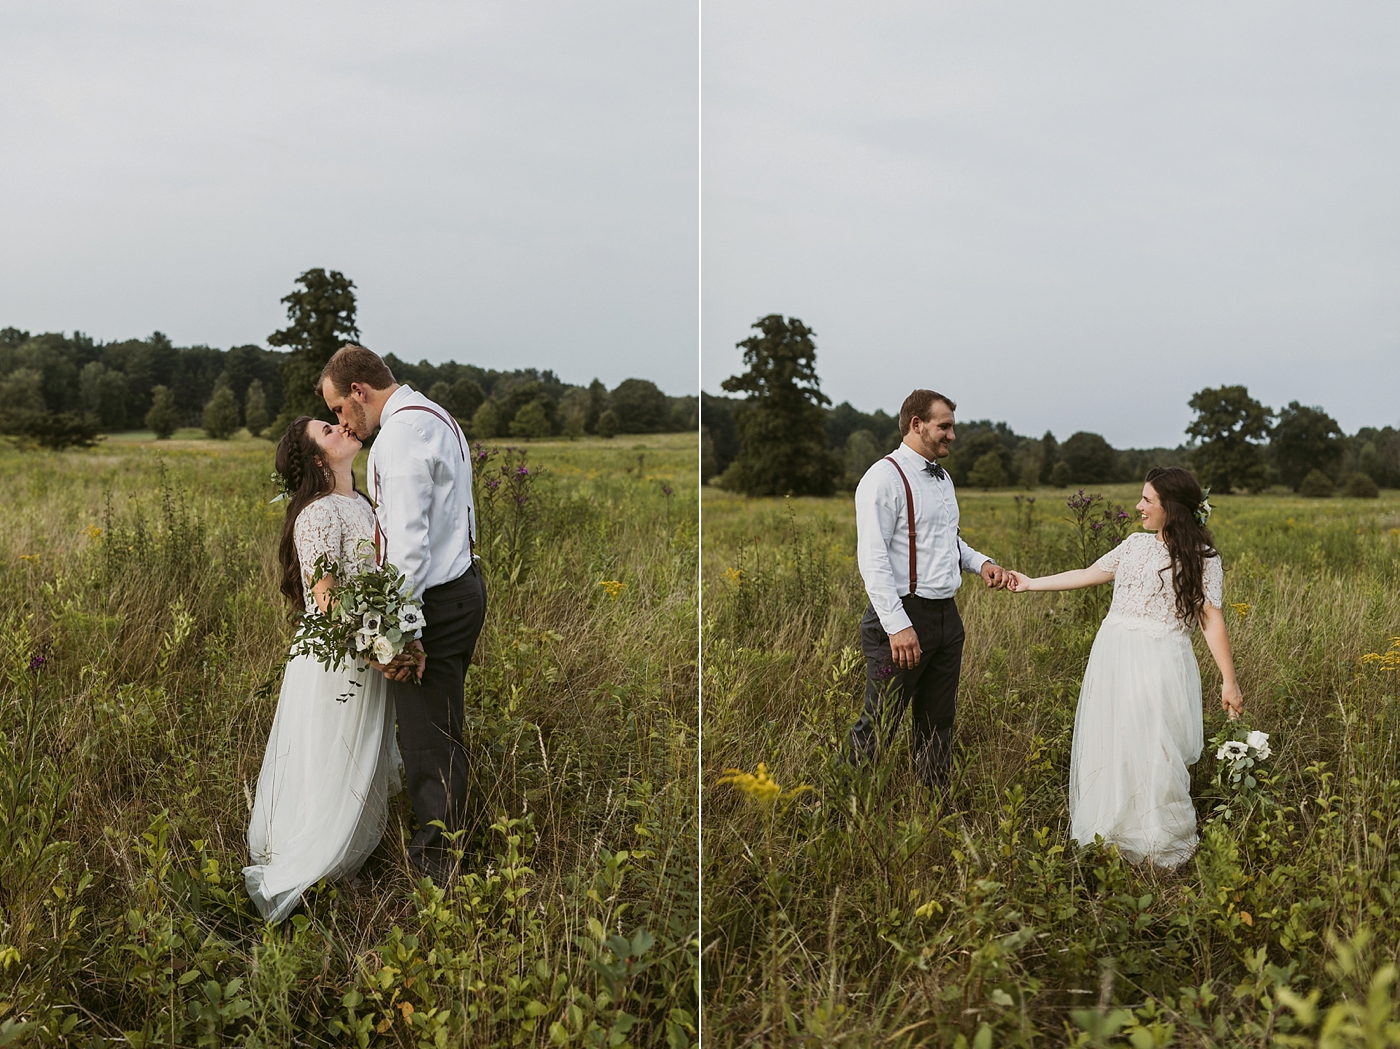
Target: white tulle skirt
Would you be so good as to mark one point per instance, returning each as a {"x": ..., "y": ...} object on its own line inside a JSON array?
[
  {"x": 1137, "y": 728},
  {"x": 322, "y": 797}
]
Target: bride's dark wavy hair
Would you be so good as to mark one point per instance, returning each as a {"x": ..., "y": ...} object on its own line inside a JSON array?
[
  {"x": 306, "y": 477},
  {"x": 1188, "y": 541}
]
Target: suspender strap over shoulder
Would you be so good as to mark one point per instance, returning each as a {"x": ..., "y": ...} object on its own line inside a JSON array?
[
  {"x": 909, "y": 513},
  {"x": 451, "y": 424}
]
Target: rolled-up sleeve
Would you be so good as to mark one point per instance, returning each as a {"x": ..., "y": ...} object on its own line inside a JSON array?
[
  {"x": 876, "y": 517},
  {"x": 406, "y": 494}
]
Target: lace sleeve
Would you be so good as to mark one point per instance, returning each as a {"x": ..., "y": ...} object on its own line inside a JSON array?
[
  {"x": 1109, "y": 562},
  {"x": 1214, "y": 580},
  {"x": 317, "y": 531}
]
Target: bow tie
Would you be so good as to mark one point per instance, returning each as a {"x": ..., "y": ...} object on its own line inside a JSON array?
[{"x": 934, "y": 470}]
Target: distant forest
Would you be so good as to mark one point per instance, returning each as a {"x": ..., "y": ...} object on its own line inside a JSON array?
[
  {"x": 1083, "y": 458},
  {"x": 113, "y": 382}
]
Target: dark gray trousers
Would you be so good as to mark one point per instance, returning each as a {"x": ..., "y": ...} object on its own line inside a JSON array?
[
  {"x": 931, "y": 688},
  {"x": 430, "y": 716}
]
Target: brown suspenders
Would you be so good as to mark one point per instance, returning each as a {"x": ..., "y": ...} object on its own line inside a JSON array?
[
  {"x": 461, "y": 447},
  {"x": 909, "y": 513}
]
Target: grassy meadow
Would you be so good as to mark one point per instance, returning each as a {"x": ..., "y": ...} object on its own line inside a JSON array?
[
  {"x": 841, "y": 909},
  {"x": 141, "y": 644}
]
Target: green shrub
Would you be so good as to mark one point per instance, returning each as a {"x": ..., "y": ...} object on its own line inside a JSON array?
[
  {"x": 255, "y": 414},
  {"x": 163, "y": 417},
  {"x": 54, "y": 430},
  {"x": 221, "y": 414},
  {"x": 607, "y": 424},
  {"x": 988, "y": 472},
  {"x": 1316, "y": 485},
  {"x": 1360, "y": 486},
  {"x": 530, "y": 421}
]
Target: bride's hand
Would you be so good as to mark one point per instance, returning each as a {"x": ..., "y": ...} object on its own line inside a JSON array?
[
  {"x": 1232, "y": 700},
  {"x": 406, "y": 666},
  {"x": 1019, "y": 582}
]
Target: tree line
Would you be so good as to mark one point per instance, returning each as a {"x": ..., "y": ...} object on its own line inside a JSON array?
[
  {"x": 784, "y": 437},
  {"x": 62, "y": 390}
]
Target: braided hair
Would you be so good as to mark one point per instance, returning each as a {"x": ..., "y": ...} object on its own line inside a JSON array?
[
  {"x": 1188, "y": 540},
  {"x": 306, "y": 477}
]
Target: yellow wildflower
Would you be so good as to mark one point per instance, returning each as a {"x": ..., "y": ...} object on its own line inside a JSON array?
[
  {"x": 1385, "y": 660},
  {"x": 1241, "y": 609},
  {"x": 761, "y": 788},
  {"x": 613, "y": 587},
  {"x": 733, "y": 575},
  {"x": 93, "y": 531}
]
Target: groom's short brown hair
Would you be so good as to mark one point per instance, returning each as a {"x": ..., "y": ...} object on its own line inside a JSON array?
[
  {"x": 352, "y": 363},
  {"x": 920, "y": 404}
]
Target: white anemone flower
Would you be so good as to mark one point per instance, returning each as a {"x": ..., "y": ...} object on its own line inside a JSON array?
[
  {"x": 1232, "y": 750},
  {"x": 383, "y": 649},
  {"x": 1260, "y": 742},
  {"x": 373, "y": 622},
  {"x": 411, "y": 619},
  {"x": 363, "y": 640}
]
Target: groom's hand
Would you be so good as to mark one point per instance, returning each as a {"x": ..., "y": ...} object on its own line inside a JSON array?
[
  {"x": 997, "y": 578},
  {"x": 406, "y": 666},
  {"x": 904, "y": 649}
]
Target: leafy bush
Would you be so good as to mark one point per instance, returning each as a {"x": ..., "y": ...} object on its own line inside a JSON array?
[
  {"x": 163, "y": 417},
  {"x": 530, "y": 421},
  {"x": 1316, "y": 485},
  {"x": 221, "y": 414},
  {"x": 988, "y": 472},
  {"x": 54, "y": 430},
  {"x": 1360, "y": 486},
  {"x": 255, "y": 413}
]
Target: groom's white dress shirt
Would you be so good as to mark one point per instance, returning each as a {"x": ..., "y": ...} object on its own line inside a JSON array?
[
  {"x": 882, "y": 536},
  {"x": 420, "y": 478}
]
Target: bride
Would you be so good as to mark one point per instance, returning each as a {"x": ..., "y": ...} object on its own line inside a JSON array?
[
  {"x": 1138, "y": 725},
  {"x": 330, "y": 766}
]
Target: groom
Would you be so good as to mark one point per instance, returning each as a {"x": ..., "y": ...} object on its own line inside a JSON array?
[
  {"x": 420, "y": 478},
  {"x": 910, "y": 556}
]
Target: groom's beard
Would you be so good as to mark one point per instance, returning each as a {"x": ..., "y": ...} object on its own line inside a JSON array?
[{"x": 357, "y": 419}]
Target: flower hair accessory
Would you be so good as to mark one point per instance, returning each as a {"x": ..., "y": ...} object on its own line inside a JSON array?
[
  {"x": 1203, "y": 509},
  {"x": 283, "y": 486}
]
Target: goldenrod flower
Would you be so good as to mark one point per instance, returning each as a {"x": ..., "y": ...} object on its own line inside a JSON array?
[
  {"x": 733, "y": 575},
  {"x": 93, "y": 531},
  {"x": 613, "y": 587},
  {"x": 1241, "y": 609},
  {"x": 1385, "y": 660},
  {"x": 761, "y": 788}
]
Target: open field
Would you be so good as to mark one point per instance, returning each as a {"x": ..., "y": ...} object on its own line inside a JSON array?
[
  {"x": 144, "y": 576},
  {"x": 851, "y": 914}
]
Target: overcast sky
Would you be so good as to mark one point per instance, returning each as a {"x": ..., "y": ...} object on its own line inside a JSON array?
[
  {"x": 507, "y": 183},
  {"x": 1068, "y": 216}
]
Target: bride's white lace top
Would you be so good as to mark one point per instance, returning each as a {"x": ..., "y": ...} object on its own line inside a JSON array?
[
  {"x": 339, "y": 525},
  {"x": 1144, "y": 598}
]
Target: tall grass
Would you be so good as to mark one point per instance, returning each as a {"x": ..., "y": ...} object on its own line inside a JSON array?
[
  {"x": 857, "y": 913},
  {"x": 141, "y": 644}
]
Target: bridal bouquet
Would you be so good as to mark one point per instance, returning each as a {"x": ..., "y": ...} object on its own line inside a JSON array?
[
  {"x": 1241, "y": 755},
  {"x": 371, "y": 616}
]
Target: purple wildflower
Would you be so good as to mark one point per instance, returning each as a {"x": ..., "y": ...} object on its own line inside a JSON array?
[
  {"x": 884, "y": 673},
  {"x": 37, "y": 662},
  {"x": 666, "y": 491},
  {"x": 493, "y": 484},
  {"x": 522, "y": 470}
]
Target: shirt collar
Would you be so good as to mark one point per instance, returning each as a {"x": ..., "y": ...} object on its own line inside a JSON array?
[
  {"x": 395, "y": 402},
  {"x": 911, "y": 457}
]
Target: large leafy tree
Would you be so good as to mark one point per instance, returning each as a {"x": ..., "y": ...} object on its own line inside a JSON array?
[
  {"x": 782, "y": 442},
  {"x": 322, "y": 319},
  {"x": 1229, "y": 424},
  {"x": 640, "y": 406},
  {"x": 1303, "y": 440},
  {"x": 1090, "y": 459}
]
